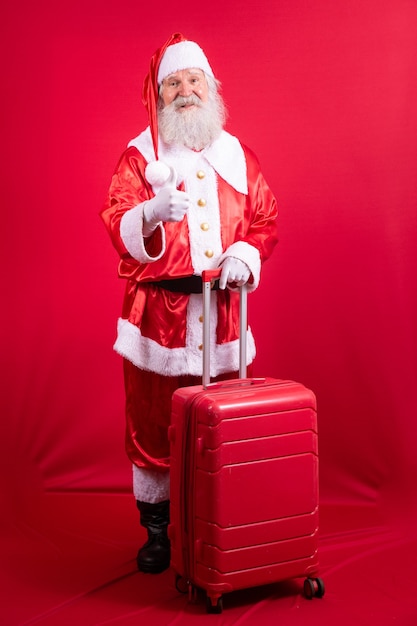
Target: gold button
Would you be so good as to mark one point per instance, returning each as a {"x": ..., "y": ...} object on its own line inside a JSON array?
[
  {"x": 204, "y": 226},
  {"x": 201, "y": 202},
  {"x": 200, "y": 347},
  {"x": 200, "y": 174},
  {"x": 209, "y": 253},
  {"x": 201, "y": 319}
]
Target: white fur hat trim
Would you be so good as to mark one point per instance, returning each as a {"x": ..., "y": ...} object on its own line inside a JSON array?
[{"x": 182, "y": 56}]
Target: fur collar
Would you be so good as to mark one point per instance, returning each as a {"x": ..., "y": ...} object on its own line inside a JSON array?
[{"x": 225, "y": 155}]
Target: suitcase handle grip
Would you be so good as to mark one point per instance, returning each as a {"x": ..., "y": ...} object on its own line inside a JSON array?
[{"x": 208, "y": 276}]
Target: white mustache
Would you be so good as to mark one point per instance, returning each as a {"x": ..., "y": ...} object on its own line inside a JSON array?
[{"x": 181, "y": 101}]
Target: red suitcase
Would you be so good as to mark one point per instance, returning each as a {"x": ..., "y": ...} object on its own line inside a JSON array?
[{"x": 244, "y": 481}]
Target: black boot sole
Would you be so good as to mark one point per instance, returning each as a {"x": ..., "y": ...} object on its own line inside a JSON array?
[{"x": 146, "y": 568}]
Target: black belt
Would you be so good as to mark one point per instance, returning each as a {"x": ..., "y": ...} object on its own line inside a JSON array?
[{"x": 187, "y": 285}]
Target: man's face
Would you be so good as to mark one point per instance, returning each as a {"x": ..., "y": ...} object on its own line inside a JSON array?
[{"x": 185, "y": 83}]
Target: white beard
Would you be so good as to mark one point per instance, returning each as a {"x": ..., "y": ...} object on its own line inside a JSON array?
[{"x": 194, "y": 128}]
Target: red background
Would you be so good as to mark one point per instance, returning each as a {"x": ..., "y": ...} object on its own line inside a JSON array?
[{"x": 325, "y": 93}]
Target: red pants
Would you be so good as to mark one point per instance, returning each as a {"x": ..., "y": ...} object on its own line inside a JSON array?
[{"x": 148, "y": 413}]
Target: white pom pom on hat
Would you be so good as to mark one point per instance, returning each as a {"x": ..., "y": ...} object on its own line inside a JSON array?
[
  {"x": 181, "y": 56},
  {"x": 157, "y": 173}
]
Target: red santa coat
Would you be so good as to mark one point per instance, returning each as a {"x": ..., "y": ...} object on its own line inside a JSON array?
[{"x": 233, "y": 214}]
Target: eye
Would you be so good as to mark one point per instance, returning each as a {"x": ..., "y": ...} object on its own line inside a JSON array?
[{"x": 172, "y": 84}]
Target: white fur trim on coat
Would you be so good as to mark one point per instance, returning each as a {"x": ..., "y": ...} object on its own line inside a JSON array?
[
  {"x": 151, "y": 356},
  {"x": 131, "y": 232},
  {"x": 248, "y": 254},
  {"x": 226, "y": 156}
]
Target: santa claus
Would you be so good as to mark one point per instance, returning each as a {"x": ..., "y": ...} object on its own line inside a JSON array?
[{"x": 185, "y": 196}]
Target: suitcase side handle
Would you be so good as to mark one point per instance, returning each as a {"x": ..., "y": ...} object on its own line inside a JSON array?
[
  {"x": 208, "y": 277},
  {"x": 238, "y": 383}
]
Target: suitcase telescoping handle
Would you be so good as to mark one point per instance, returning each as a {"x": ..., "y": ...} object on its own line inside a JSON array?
[{"x": 208, "y": 277}]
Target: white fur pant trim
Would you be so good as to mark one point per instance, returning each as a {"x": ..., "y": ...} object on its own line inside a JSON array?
[{"x": 150, "y": 485}]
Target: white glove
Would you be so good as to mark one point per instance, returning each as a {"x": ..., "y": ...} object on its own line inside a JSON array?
[
  {"x": 169, "y": 205},
  {"x": 234, "y": 271}
]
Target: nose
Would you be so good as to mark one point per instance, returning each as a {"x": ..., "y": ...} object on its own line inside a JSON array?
[{"x": 185, "y": 89}]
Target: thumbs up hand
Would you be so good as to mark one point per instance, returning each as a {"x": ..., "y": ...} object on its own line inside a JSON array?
[{"x": 169, "y": 205}]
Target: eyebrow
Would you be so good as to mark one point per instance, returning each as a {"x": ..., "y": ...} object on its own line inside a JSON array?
[{"x": 190, "y": 72}]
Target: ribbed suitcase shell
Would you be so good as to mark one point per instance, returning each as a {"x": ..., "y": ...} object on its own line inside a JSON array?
[{"x": 244, "y": 484}]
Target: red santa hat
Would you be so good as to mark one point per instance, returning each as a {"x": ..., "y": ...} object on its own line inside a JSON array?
[{"x": 176, "y": 54}]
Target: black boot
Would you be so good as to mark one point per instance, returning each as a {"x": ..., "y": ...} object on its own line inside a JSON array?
[{"x": 154, "y": 556}]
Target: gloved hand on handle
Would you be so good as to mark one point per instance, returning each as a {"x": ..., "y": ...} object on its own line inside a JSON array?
[
  {"x": 169, "y": 205},
  {"x": 234, "y": 271}
]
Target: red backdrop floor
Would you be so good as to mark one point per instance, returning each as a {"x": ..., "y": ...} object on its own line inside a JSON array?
[{"x": 70, "y": 559}]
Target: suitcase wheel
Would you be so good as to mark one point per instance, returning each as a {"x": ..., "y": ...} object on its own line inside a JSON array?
[
  {"x": 214, "y": 605},
  {"x": 313, "y": 588},
  {"x": 184, "y": 586},
  {"x": 181, "y": 584}
]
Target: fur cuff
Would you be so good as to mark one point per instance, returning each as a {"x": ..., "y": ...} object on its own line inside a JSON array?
[
  {"x": 131, "y": 232},
  {"x": 149, "y": 485}
]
